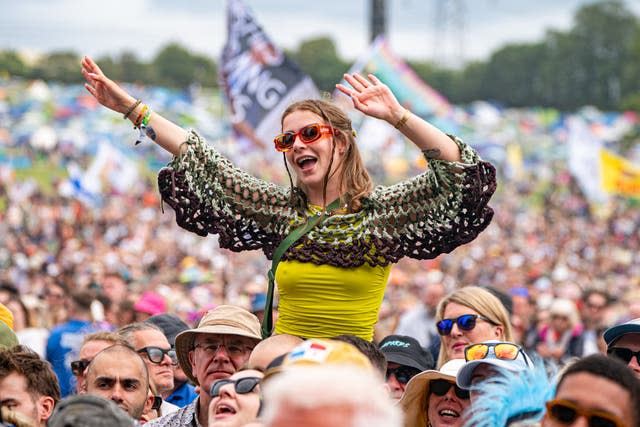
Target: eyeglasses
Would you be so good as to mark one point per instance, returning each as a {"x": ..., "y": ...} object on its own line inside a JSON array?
[
  {"x": 624, "y": 354},
  {"x": 502, "y": 350},
  {"x": 233, "y": 349},
  {"x": 466, "y": 322},
  {"x": 308, "y": 134},
  {"x": 242, "y": 385},
  {"x": 78, "y": 366},
  {"x": 441, "y": 387},
  {"x": 403, "y": 373},
  {"x": 566, "y": 412},
  {"x": 156, "y": 354}
]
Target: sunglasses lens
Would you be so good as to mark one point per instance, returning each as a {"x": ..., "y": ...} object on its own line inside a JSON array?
[
  {"x": 284, "y": 141},
  {"x": 596, "y": 421},
  {"x": 476, "y": 352},
  {"x": 506, "y": 351},
  {"x": 173, "y": 356},
  {"x": 155, "y": 355},
  {"x": 440, "y": 387},
  {"x": 215, "y": 388},
  {"x": 562, "y": 413},
  {"x": 623, "y": 354},
  {"x": 467, "y": 322},
  {"x": 246, "y": 385},
  {"x": 444, "y": 326},
  {"x": 310, "y": 133}
]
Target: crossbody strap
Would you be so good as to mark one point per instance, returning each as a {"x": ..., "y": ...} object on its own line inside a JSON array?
[{"x": 295, "y": 235}]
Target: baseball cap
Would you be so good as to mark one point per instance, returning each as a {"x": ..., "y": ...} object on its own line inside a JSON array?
[
  {"x": 170, "y": 324},
  {"x": 520, "y": 363},
  {"x": 222, "y": 320},
  {"x": 88, "y": 410},
  {"x": 316, "y": 351},
  {"x": 407, "y": 351},
  {"x": 417, "y": 391},
  {"x": 150, "y": 303},
  {"x": 612, "y": 334}
]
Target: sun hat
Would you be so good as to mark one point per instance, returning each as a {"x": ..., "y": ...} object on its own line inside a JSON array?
[
  {"x": 407, "y": 351},
  {"x": 414, "y": 399},
  {"x": 222, "y": 320},
  {"x": 150, "y": 303},
  {"x": 8, "y": 338},
  {"x": 88, "y": 409},
  {"x": 520, "y": 363},
  {"x": 612, "y": 334},
  {"x": 316, "y": 351},
  {"x": 6, "y": 316}
]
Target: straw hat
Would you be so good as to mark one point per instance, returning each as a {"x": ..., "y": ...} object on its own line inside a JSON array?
[
  {"x": 222, "y": 320},
  {"x": 414, "y": 399}
]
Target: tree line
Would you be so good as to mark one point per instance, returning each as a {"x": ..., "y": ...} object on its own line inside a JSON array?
[{"x": 595, "y": 62}]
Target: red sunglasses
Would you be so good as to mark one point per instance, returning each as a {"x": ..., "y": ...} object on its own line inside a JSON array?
[{"x": 308, "y": 134}]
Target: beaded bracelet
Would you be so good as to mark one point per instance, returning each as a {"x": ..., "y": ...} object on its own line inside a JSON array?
[
  {"x": 403, "y": 119},
  {"x": 133, "y": 107}
]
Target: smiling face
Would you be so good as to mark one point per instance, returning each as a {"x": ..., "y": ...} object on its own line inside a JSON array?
[
  {"x": 458, "y": 339},
  {"x": 233, "y": 409},
  {"x": 310, "y": 162},
  {"x": 446, "y": 410}
]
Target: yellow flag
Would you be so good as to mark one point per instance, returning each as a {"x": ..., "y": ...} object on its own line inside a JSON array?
[{"x": 618, "y": 175}]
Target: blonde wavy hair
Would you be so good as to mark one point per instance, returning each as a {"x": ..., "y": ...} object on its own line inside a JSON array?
[
  {"x": 354, "y": 182},
  {"x": 482, "y": 302}
]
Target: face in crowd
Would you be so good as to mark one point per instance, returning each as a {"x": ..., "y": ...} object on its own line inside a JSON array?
[{"x": 235, "y": 401}]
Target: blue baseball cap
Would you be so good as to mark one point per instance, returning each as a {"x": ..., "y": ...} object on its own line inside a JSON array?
[
  {"x": 520, "y": 363},
  {"x": 612, "y": 334}
]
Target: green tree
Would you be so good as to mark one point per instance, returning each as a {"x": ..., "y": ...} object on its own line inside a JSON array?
[
  {"x": 12, "y": 64},
  {"x": 319, "y": 59},
  {"x": 59, "y": 66},
  {"x": 175, "y": 66}
]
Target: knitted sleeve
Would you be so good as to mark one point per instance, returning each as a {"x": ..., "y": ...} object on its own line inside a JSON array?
[
  {"x": 211, "y": 196},
  {"x": 439, "y": 210}
]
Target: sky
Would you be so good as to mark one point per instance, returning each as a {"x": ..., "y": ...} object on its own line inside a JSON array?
[{"x": 449, "y": 32}]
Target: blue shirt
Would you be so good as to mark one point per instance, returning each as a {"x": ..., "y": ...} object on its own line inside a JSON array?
[{"x": 183, "y": 395}]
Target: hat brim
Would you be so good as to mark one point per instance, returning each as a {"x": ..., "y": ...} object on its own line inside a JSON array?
[
  {"x": 414, "y": 399},
  {"x": 614, "y": 333},
  {"x": 466, "y": 372},
  {"x": 403, "y": 359},
  {"x": 185, "y": 340}
]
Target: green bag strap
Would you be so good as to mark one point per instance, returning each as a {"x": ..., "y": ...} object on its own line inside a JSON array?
[{"x": 294, "y": 236}]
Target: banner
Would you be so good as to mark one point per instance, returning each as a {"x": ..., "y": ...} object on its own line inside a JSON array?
[
  {"x": 619, "y": 176},
  {"x": 584, "y": 158},
  {"x": 259, "y": 80}
]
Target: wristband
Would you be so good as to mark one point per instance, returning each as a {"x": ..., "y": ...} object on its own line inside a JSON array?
[
  {"x": 130, "y": 110},
  {"x": 403, "y": 119}
]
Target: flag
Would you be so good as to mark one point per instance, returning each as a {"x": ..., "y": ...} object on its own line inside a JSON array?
[
  {"x": 258, "y": 79},
  {"x": 619, "y": 176},
  {"x": 584, "y": 158},
  {"x": 406, "y": 85}
]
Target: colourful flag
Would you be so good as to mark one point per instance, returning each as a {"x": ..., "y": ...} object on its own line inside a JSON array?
[
  {"x": 619, "y": 176},
  {"x": 259, "y": 80}
]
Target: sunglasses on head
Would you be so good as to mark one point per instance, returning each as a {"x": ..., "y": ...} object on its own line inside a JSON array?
[
  {"x": 501, "y": 350},
  {"x": 566, "y": 412},
  {"x": 78, "y": 366},
  {"x": 308, "y": 134},
  {"x": 242, "y": 385},
  {"x": 403, "y": 373},
  {"x": 466, "y": 322},
  {"x": 156, "y": 354},
  {"x": 624, "y": 354},
  {"x": 441, "y": 387}
]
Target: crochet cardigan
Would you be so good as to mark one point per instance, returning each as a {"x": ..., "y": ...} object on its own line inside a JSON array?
[{"x": 421, "y": 217}]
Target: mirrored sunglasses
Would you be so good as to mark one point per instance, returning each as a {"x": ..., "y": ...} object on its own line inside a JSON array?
[
  {"x": 241, "y": 386},
  {"x": 308, "y": 134},
  {"x": 503, "y": 351},
  {"x": 566, "y": 412},
  {"x": 466, "y": 322},
  {"x": 441, "y": 387},
  {"x": 156, "y": 354}
]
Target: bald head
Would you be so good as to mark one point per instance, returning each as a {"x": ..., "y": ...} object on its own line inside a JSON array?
[{"x": 270, "y": 348}]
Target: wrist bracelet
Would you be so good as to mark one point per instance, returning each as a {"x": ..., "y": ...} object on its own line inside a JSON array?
[
  {"x": 138, "y": 121},
  {"x": 403, "y": 119},
  {"x": 130, "y": 110}
]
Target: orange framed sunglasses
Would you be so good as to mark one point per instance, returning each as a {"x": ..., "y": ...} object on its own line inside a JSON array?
[{"x": 308, "y": 134}]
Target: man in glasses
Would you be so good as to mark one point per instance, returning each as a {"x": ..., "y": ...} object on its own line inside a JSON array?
[
  {"x": 119, "y": 374},
  {"x": 595, "y": 391},
  {"x": 219, "y": 347},
  {"x": 154, "y": 348},
  {"x": 93, "y": 344},
  {"x": 405, "y": 359},
  {"x": 623, "y": 342}
]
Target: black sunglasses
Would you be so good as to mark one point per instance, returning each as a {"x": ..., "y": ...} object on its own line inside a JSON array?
[
  {"x": 466, "y": 322},
  {"x": 403, "y": 373},
  {"x": 242, "y": 385},
  {"x": 441, "y": 387},
  {"x": 156, "y": 354},
  {"x": 566, "y": 413},
  {"x": 78, "y": 366},
  {"x": 623, "y": 354}
]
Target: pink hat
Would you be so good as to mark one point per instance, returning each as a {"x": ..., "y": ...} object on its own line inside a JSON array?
[{"x": 150, "y": 303}]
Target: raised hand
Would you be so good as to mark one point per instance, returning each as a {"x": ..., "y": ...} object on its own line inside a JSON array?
[
  {"x": 105, "y": 90},
  {"x": 372, "y": 97}
]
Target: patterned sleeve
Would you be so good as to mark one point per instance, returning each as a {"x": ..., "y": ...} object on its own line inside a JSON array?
[
  {"x": 441, "y": 209},
  {"x": 211, "y": 196}
]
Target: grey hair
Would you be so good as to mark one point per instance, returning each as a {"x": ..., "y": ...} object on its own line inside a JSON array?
[
  {"x": 308, "y": 387},
  {"x": 127, "y": 331}
]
